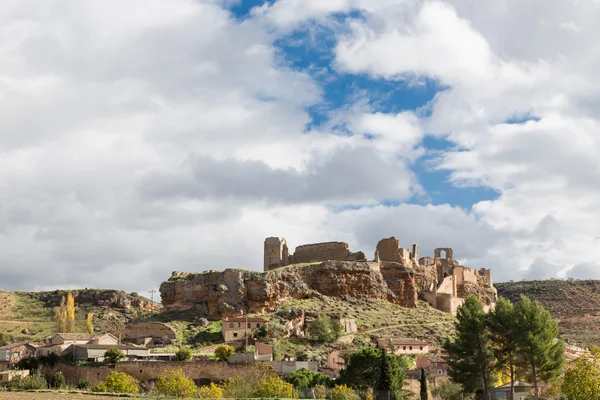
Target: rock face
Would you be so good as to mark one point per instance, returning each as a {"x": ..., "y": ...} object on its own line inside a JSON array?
[{"x": 236, "y": 292}]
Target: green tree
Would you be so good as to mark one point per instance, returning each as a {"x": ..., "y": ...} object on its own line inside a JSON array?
[
  {"x": 384, "y": 381},
  {"x": 174, "y": 383},
  {"x": 320, "y": 329},
  {"x": 363, "y": 370},
  {"x": 275, "y": 387},
  {"x": 337, "y": 329},
  {"x": 118, "y": 382},
  {"x": 304, "y": 378},
  {"x": 582, "y": 379},
  {"x": 424, "y": 395},
  {"x": 471, "y": 354},
  {"x": 448, "y": 390},
  {"x": 184, "y": 354},
  {"x": 223, "y": 352},
  {"x": 113, "y": 355},
  {"x": 537, "y": 342},
  {"x": 504, "y": 330}
]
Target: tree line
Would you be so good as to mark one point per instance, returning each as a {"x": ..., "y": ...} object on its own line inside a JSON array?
[{"x": 511, "y": 342}]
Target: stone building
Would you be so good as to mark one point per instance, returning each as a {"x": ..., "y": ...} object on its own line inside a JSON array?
[
  {"x": 241, "y": 327},
  {"x": 11, "y": 354},
  {"x": 404, "y": 346}
]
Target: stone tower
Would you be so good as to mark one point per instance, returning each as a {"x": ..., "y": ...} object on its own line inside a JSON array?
[{"x": 276, "y": 253}]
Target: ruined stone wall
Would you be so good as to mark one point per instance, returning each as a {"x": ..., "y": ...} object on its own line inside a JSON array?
[
  {"x": 447, "y": 286},
  {"x": 324, "y": 252},
  {"x": 389, "y": 250},
  {"x": 486, "y": 274},
  {"x": 275, "y": 253},
  {"x": 448, "y": 303}
]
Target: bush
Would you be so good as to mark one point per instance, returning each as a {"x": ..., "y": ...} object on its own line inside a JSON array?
[
  {"x": 223, "y": 352},
  {"x": 183, "y": 354},
  {"x": 58, "y": 381},
  {"x": 304, "y": 378},
  {"x": 174, "y": 383},
  {"x": 320, "y": 392},
  {"x": 342, "y": 392},
  {"x": 113, "y": 355},
  {"x": 118, "y": 382},
  {"x": 320, "y": 329},
  {"x": 211, "y": 391},
  {"x": 30, "y": 382},
  {"x": 238, "y": 387},
  {"x": 84, "y": 385},
  {"x": 275, "y": 387}
]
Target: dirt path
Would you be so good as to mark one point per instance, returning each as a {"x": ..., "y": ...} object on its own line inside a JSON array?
[{"x": 402, "y": 325}]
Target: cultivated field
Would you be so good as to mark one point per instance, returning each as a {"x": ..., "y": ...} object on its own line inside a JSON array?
[{"x": 53, "y": 396}]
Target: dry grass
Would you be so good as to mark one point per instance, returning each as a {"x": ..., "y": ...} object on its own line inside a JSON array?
[{"x": 53, "y": 396}]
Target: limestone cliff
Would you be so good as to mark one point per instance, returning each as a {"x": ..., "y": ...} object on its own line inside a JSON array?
[{"x": 237, "y": 292}]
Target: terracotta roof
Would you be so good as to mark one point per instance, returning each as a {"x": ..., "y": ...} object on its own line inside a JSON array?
[
  {"x": 13, "y": 345},
  {"x": 77, "y": 336},
  {"x": 244, "y": 319},
  {"x": 402, "y": 342},
  {"x": 108, "y": 346}
]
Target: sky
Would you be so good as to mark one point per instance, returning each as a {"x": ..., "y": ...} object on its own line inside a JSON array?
[{"x": 141, "y": 137}]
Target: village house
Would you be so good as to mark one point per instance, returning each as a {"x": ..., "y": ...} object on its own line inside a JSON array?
[
  {"x": 336, "y": 361},
  {"x": 349, "y": 324},
  {"x": 95, "y": 352},
  {"x": 404, "y": 346},
  {"x": 11, "y": 354},
  {"x": 238, "y": 328},
  {"x": 61, "y": 343},
  {"x": 262, "y": 352},
  {"x": 522, "y": 389},
  {"x": 435, "y": 365}
]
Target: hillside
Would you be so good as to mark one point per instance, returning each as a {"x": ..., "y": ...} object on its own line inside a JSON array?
[
  {"x": 574, "y": 303},
  {"x": 34, "y": 311}
]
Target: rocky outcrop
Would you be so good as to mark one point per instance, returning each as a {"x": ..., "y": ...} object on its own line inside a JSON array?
[{"x": 236, "y": 292}]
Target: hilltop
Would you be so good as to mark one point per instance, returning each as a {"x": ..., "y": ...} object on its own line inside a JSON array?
[
  {"x": 574, "y": 303},
  {"x": 34, "y": 311}
]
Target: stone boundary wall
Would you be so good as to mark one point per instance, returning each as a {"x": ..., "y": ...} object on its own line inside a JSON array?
[
  {"x": 149, "y": 370},
  {"x": 324, "y": 252}
]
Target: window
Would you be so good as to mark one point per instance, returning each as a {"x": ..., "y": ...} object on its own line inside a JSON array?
[
  {"x": 239, "y": 324},
  {"x": 16, "y": 354},
  {"x": 403, "y": 347},
  {"x": 231, "y": 325},
  {"x": 234, "y": 334},
  {"x": 410, "y": 348},
  {"x": 249, "y": 325},
  {"x": 421, "y": 347}
]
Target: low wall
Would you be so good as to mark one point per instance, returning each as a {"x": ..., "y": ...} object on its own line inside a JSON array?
[{"x": 149, "y": 370}]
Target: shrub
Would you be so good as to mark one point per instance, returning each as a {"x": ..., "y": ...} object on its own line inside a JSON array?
[
  {"x": 31, "y": 382},
  {"x": 342, "y": 392},
  {"x": 275, "y": 387},
  {"x": 183, "y": 354},
  {"x": 58, "y": 381},
  {"x": 320, "y": 329},
  {"x": 223, "y": 352},
  {"x": 174, "y": 383},
  {"x": 118, "y": 382},
  {"x": 238, "y": 387},
  {"x": 320, "y": 392},
  {"x": 113, "y": 355},
  {"x": 211, "y": 391},
  {"x": 304, "y": 378},
  {"x": 84, "y": 385}
]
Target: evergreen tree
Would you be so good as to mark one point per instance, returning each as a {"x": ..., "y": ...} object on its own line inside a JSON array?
[
  {"x": 471, "y": 353},
  {"x": 537, "y": 342},
  {"x": 424, "y": 395},
  {"x": 503, "y": 327},
  {"x": 384, "y": 382}
]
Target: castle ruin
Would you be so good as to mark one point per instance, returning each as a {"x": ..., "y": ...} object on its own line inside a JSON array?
[{"x": 453, "y": 282}]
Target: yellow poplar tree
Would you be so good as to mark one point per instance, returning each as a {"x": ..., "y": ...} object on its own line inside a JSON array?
[
  {"x": 89, "y": 322},
  {"x": 70, "y": 309},
  {"x": 60, "y": 316}
]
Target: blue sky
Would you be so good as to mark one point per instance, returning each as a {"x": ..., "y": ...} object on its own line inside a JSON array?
[{"x": 148, "y": 136}]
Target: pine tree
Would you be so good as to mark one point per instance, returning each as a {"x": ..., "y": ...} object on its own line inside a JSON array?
[
  {"x": 70, "y": 310},
  {"x": 537, "y": 342},
  {"x": 89, "y": 322},
  {"x": 503, "y": 328},
  {"x": 471, "y": 354},
  {"x": 424, "y": 395}
]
